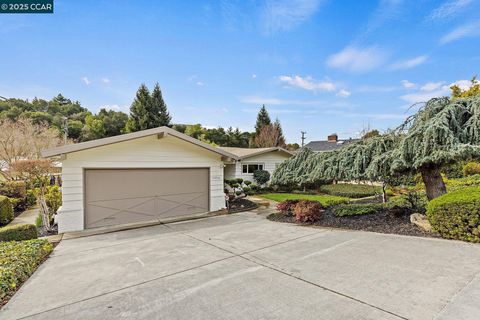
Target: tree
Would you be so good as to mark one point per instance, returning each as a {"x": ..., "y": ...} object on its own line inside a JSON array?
[
  {"x": 371, "y": 134},
  {"x": 37, "y": 171},
  {"x": 113, "y": 121},
  {"x": 293, "y": 146},
  {"x": 263, "y": 119},
  {"x": 93, "y": 128},
  {"x": 444, "y": 131},
  {"x": 22, "y": 140},
  {"x": 159, "y": 111},
  {"x": 147, "y": 110},
  {"x": 472, "y": 91},
  {"x": 139, "y": 118},
  {"x": 270, "y": 136}
]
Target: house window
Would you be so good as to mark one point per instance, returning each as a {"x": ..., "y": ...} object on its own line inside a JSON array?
[{"x": 250, "y": 168}]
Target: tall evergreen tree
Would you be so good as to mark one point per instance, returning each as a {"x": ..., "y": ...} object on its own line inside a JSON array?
[
  {"x": 159, "y": 112},
  {"x": 140, "y": 119},
  {"x": 279, "y": 134},
  {"x": 263, "y": 119}
]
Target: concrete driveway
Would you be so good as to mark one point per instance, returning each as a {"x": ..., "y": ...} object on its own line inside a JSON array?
[{"x": 243, "y": 266}]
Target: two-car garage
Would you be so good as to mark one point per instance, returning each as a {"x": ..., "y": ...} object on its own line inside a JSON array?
[
  {"x": 123, "y": 196},
  {"x": 155, "y": 175}
]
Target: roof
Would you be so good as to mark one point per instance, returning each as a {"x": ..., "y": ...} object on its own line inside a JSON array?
[
  {"x": 243, "y": 153},
  {"x": 160, "y": 131},
  {"x": 324, "y": 145}
]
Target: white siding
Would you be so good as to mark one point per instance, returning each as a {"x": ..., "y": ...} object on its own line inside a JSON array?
[
  {"x": 147, "y": 152},
  {"x": 269, "y": 161}
]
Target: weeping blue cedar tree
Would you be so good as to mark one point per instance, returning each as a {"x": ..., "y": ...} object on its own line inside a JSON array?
[{"x": 442, "y": 132}]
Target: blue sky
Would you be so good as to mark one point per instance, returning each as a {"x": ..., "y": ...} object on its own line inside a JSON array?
[{"x": 319, "y": 66}]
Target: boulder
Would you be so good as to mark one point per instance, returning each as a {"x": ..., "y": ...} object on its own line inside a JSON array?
[{"x": 421, "y": 221}]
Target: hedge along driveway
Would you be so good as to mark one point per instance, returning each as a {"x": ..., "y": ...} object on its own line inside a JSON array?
[{"x": 325, "y": 200}]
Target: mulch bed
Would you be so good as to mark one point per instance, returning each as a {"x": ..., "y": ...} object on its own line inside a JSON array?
[
  {"x": 382, "y": 222},
  {"x": 241, "y": 204},
  {"x": 42, "y": 233}
]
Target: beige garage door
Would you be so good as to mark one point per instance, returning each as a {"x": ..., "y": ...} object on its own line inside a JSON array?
[{"x": 120, "y": 196}]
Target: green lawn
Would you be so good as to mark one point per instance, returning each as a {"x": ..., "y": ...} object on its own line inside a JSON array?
[{"x": 325, "y": 200}]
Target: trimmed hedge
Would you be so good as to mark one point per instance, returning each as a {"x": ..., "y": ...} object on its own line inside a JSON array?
[
  {"x": 286, "y": 207},
  {"x": 17, "y": 192},
  {"x": 355, "y": 209},
  {"x": 471, "y": 168},
  {"x": 456, "y": 215},
  {"x": 18, "y": 260},
  {"x": 6, "y": 211},
  {"x": 350, "y": 190},
  {"x": 325, "y": 200},
  {"x": 18, "y": 232}
]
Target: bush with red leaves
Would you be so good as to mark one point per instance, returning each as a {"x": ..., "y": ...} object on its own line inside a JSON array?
[
  {"x": 308, "y": 211},
  {"x": 286, "y": 207}
]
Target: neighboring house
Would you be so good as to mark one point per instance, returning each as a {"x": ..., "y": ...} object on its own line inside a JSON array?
[
  {"x": 332, "y": 143},
  {"x": 147, "y": 176},
  {"x": 252, "y": 159}
]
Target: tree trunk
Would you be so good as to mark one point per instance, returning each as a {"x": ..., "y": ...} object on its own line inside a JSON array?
[
  {"x": 433, "y": 180},
  {"x": 384, "y": 192}
]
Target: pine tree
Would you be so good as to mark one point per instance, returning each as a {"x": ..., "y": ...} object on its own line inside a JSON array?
[
  {"x": 159, "y": 112},
  {"x": 140, "y": 119},
  {"x": 263, "y": 119}
]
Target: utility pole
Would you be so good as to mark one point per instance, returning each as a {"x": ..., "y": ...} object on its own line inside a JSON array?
[{"x": 303, "y": 137}]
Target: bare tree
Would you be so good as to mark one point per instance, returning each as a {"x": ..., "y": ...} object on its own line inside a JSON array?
[
  {"x": 22, "y": 140},
  {"x": 270, "y": 136},
  {"x": 38, "y": 171}
]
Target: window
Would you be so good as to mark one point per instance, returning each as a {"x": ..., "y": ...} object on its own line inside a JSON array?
[{"x": 250, "y": 168}]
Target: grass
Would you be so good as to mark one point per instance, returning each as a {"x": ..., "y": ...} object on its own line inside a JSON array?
[{"x": 325, "y": 200}]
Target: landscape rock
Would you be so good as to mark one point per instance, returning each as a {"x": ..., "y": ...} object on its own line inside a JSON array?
[{"x": 421, "y": 221}]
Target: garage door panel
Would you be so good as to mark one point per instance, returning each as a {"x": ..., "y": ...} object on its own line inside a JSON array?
[{"x": 119, "y": 196}]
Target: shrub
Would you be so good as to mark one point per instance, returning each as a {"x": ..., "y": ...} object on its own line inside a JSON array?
[
  {"x": 247, "y": 183},
  {"x": 39, "y": 221},
  {"x": 18, "y": 232},
  {"x": 308, "y": 211},
  {"x": 411, "y": 202},
  {"x": 18, "y": 260},
  {"x": 17, "y": 192},
  {"x": 471, "y": 168},
  {"x": 286, "y": 207},
  {"x": 239, "y": 181},
  {"x": 455, "y": 184},
  {"x": 6, "y": 211},
  {"x": 254, "y": 187},
  {"x": 238, "y": 192},
  {"x": 350, "y": 190},
  {"x": 456, "y": 215},
  {"x": 261, "y": 176},
  {"x": 356, "y": 209},
  {"x": 31, "y": 199},
  {"x": 248, "y": 191},
  {"x": 53, "y": 198}
]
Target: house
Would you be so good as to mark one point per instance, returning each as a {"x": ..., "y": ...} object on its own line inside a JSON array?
[
  {"x": 147, "y": 176},
  {"x": 251, "y": 159},
  {"x": 332, "y": 143}
]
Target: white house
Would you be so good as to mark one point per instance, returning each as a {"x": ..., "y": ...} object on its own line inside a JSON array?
[
  {"x": 252, "y": 159},
  {"x": 147, "y": 176}
]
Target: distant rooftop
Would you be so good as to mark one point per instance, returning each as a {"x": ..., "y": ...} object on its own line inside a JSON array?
[
  {"x": 332, "y": 143},
  {"x": 250, "y": 152}
]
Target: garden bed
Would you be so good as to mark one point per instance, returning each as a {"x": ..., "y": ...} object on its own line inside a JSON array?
[
  {"x": 382, "y": 222},
  {"x": 324, "y": 199},
  {"x": 241, "y": 204}
]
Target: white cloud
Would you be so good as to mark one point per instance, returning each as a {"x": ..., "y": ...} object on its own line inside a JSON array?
[
  {"x": 466, "y": 30},
  {"x": 254, "y": 76},
  {"x": 430, "y": 86},
  {"x": 105, "y": 80},
  {"x": 307, "y": 83},
  {"x": 370, "y": 88},
  {"x": 448, "y": 9},
  {"x": 258, "y": 100},
  {"x": 85, "y": 80},
  {"x": 357, "y": 59},
  {"x": 408, "y": 64},
  {"x": 200, "y": 83},
  {"x": 386, "y": 11},
  {"x": 282, "y": 15},
  {"x": 407, "y": 84},
  {"x": 343, "y": 93},
  {"x": 424, "y": 96}
]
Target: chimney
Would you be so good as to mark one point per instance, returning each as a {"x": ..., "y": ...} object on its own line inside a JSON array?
[{"x": 333, "y": 137}]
